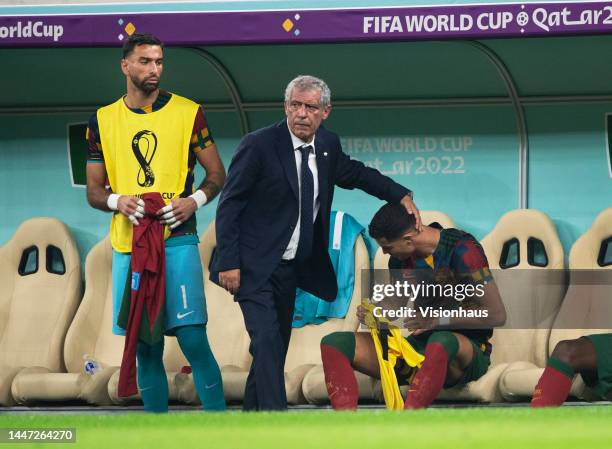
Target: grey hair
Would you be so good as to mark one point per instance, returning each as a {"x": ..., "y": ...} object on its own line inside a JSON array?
[{"x": 307, "y": 82}]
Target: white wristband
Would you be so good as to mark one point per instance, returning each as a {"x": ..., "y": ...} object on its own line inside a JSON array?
[
  {"x": 444, "y": 321},
  {"x": 199, "y": 197},
  {"x": 113, "y": 201}
]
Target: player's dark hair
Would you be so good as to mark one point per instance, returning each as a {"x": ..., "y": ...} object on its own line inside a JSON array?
[
  {"x": 137, "y": 39},
  {"x": 391, "y": 222}
]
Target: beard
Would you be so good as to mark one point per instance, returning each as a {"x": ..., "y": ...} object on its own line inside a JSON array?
[{"x": 144, "y": 85}]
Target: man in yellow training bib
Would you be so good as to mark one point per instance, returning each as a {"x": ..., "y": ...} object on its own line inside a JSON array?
[
  {"x": 148, "y": 142},
  {"x": 456, "y": 350}
]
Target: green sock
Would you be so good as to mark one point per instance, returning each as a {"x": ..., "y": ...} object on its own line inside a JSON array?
[
  {"x": 448, "y": 341},
  {"x": 343, "y": 342}
]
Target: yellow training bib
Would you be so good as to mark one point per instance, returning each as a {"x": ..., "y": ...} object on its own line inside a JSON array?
[
  {"x": 145, "y": 153},
  {"x": 398, "y": 347}
]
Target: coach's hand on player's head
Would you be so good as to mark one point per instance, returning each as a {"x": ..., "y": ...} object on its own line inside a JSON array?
[
  {"x": 230, "y": 280},
  {"x": 132, "y": 207},
  {"x": 412, "y": 209},
  {"x": 177, "y": 212}
]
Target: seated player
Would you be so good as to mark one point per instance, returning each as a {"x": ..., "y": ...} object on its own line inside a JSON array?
[
  {"x": 456, "y": 350},
  {"x": 590, "y": 356}
]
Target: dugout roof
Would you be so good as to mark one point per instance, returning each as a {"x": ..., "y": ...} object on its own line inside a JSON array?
[{"x": 237, "y": 56}]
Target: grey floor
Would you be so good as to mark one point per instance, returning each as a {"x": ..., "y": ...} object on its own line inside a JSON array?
[{"x": 83, "y": 409}]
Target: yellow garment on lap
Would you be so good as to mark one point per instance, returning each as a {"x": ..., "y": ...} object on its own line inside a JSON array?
[
  {"x": 145, "y": 153},
  {"x": 398, "y": 347}
]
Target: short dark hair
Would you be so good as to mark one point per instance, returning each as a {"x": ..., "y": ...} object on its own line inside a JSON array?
[
  {"x": 391, "y": 222},
  {"x": 137, "y": 39}
]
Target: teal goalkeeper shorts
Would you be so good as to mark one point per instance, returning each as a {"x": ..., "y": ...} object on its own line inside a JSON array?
[{"x": 185, "y": 301}]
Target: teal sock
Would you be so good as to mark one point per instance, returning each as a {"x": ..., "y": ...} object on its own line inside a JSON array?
[
  {"x": 152, "y": 380},
  {"x": 206, "y": 373}
]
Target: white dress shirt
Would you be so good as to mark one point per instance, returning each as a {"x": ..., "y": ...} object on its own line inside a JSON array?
[{"x": 289, "y": 253}]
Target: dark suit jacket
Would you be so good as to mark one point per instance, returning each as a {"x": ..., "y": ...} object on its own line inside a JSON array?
[{"x": 258, "y": 207}]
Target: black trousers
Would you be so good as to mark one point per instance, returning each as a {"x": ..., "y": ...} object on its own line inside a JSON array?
[{"x": 268, "y": 315}]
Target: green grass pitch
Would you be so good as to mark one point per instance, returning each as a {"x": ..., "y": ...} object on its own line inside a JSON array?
[{"x": 473, "y": 428}]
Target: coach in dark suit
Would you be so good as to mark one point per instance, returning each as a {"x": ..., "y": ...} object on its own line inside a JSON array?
[{"x": 273, "y": 225}]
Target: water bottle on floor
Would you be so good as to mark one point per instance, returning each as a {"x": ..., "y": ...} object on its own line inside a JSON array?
[{"x": 90, "y": 365}]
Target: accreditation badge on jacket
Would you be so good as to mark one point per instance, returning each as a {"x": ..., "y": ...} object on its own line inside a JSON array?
[{"x": 145, "y": 153}]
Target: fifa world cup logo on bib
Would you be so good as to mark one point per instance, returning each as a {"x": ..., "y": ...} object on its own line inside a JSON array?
[{"x": 144, "y": 145}]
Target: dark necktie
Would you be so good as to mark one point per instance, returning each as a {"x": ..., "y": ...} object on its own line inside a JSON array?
[{"x": 306, "y": 207}]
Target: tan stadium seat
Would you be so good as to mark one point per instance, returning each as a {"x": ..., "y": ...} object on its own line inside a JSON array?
[
  {"x": 226, "y": 332},
  {"x": 526, "y": 258},
  {"x": 584, "y": 309},
  {"x": 89, "y": 334},
  {"x": 430, "y": 216},
  {"x": 304, "y": 378},
  {"x": 40, "y": 274}
]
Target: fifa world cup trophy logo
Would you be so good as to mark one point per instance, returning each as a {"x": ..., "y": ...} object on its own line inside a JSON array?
[{"x": 144, "y": 145}]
